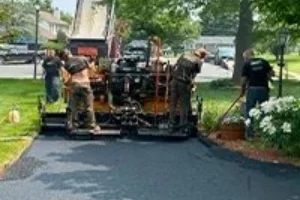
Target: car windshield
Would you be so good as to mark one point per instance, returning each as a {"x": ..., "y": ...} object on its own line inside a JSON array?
[
  {"x": 136, "y": 52},
  {"x": 227, "y": 52}
]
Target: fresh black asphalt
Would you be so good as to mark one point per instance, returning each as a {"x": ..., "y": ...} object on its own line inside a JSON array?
[{"x": 59, "y": 169}]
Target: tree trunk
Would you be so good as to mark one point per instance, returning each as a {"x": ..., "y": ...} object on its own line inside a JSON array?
[{"x": 243, "y": 37}]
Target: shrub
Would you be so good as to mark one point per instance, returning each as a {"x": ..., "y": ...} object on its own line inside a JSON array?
[
  {"x": 221, "y": 83},
  {"x": 54, "y": 45},
  {"x": 277, "y": 122},
  {"x": 211, "y": 113}
]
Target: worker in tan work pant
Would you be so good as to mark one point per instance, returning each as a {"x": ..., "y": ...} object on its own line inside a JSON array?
[
  {"x": 183, "y": 75},
  {"x": 81, "y": 92}
]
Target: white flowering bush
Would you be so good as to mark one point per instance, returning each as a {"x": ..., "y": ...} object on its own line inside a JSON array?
[
  {"x": 234, "y": 117},
  {"x": 277, "y": 121}
]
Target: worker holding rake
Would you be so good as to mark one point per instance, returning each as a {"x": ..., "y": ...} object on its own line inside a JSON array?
[{"x": 256, "y": 74}]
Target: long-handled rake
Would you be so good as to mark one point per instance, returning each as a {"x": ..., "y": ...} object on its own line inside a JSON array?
[{"x": 221, "y": 118}]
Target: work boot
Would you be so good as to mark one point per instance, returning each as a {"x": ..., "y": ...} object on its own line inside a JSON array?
[
  {"x": 94, "y": 129},
  {"x": 71, "y": 126}
]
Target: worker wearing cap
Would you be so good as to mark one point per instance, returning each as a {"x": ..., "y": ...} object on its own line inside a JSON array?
[
  {"x": 81, "y": 92},
  {"x": 256, "y": 74},
  {"x": 183, "y": 75}
]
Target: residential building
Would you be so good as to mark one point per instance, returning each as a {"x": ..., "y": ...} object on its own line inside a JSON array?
[{"x": 50, "y": 24}]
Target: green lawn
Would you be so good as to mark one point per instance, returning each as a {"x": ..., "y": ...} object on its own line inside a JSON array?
[
  {"x": 24, "y": 94},
  {"x": 10, "y": 149},
  {"x": 292, "y": 62}
]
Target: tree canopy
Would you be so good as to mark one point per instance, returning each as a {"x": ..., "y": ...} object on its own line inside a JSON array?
[
  {"x": 15, "y": 19},
  {"x": 170, "y": 20},
  {"x": 220, "y": 17},
  {"x": 285, "y": 12}
]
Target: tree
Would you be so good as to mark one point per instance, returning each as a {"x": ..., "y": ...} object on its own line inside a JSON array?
[
  {"x": 53, "y": 45},
  {"x": 62, "y": 38},
  {"x": 280, "y": 11},
  {"x": 277, "y": 15},
  {"x": 46, "y": 5},
  {"x": 220, "y": 17},
  {"x": 243, "y": 37},
  {"x": 240, "y": 11},
  {"x": 67, "y": 17},
  {"x": 15, "y": 20},
  {"x": 170, "y": 20}
]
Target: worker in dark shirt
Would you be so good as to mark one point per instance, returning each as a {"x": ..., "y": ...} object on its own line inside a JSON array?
[
  {"x": 52, "y": 69},
  {"x": 183, "y": 75},
  {"x": 256, "y": 74}
]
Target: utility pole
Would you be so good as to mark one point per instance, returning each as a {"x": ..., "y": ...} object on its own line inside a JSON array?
[{"x": 37, "y": 15}]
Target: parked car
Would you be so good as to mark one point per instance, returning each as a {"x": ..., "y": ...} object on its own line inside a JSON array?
[
  {"x": 210, "y": 57},
  {"x": 224, "y": 55},
  {"x": 19, "y": 55}
]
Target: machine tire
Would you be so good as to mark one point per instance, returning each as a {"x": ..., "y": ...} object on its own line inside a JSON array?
[{"x": 193, "y": 132}]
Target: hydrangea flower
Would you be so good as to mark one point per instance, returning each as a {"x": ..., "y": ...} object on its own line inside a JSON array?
[
  {"x": 248, "y": 122},
  {"x": 286, "y": 127},
  {"x": 255, "y": 113},
  {"x": 271, "y": 130},
  {"x": 267, "y": 126},
  {"x": 268, "y": 106},
  {"x": 233, "y": 119},
  {"x": 266, "y": 121}
]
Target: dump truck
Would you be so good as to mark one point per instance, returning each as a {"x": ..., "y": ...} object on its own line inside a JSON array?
[{"x": 92, "y": 30}]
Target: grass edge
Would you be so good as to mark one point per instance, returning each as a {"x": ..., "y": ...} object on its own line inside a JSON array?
[{"x": 9, "y": 163}]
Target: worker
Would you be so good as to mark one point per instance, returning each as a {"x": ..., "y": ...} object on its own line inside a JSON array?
[
  {"x": 51, "y": 67},
  {"x": 256, "y": 74},
  {"x": 93, "y": 71},
  {"x": 183, "y": 75},
  {"x": 81, "y": 92}
]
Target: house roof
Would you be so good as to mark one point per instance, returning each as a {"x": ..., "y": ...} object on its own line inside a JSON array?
[{"x": 52, "y": 19}]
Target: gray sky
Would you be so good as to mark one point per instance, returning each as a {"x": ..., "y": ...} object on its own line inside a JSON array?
[{"x": 65, "y": 5}]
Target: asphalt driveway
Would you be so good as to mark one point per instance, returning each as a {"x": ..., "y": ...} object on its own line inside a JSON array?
[{"x": 58, "y": 169}]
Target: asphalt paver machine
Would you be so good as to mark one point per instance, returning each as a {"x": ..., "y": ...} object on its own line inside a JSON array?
[{"x": 131, "y": 96}]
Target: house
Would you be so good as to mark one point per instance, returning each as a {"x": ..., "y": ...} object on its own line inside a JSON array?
[
  {"x": 211, "y": 43},
  {"x": 50, "y": 24}
]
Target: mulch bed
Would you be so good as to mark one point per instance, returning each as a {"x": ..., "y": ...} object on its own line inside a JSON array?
[{"x": 249, "y": 150}]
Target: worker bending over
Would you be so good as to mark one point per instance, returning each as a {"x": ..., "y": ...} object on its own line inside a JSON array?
[
  {"x": 81, "y": 92},
  {"x": 183, "y": 75}
]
